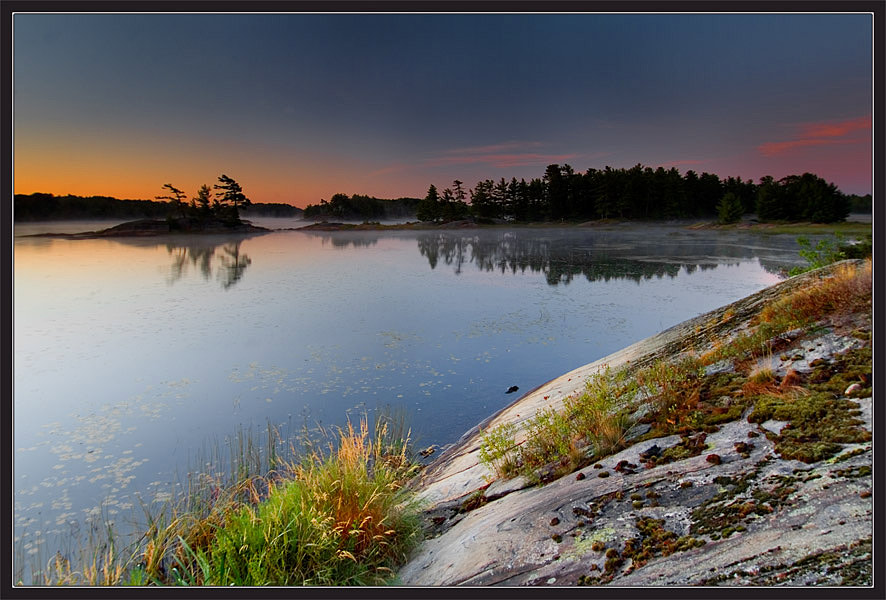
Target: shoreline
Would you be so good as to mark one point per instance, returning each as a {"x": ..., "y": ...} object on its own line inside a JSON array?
[
  {"x": 490, "y": 529},
  {"x": 152, "y": 228},
  {"x": 157, "y": 227}
]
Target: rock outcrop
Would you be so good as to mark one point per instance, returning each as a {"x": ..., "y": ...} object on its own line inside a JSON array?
[
  {"x": 155, "y": 227},
  {"x": 734, "y": 504}
]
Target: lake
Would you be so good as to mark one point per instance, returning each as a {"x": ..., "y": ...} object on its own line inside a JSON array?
[{"x": 132, "y": 356}]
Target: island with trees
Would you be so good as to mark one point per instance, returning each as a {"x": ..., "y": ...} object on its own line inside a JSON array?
[
  {"x": 49, "y": 207},
  {"x": 207, "y": 212}
]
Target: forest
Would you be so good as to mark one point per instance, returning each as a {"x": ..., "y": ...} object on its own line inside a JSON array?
[
  {"x": 48, "y": 207},
  {"x": 361, "y": 207},
  {"x": 641, "y": 193}
]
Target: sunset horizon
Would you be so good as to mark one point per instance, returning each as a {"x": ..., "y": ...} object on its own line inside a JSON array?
[{"x": 299, "y": 107}]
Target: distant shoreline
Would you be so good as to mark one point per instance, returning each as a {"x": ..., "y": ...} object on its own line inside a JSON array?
[
  {"x": 158, "y": 227},
  {"x": 155, "y": 227},
  {"x": 851, "y": 225}
]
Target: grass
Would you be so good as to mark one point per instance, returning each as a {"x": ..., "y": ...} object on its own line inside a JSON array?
[
  {"x": 338, "y": 521},
  {"x": 845, "y": 228},
  {"x": 682, "y": 399},
  {"x": 593, "y": 424},
  {"x": 340, "y": 516},
  {"x": 848, "y": 289},
  {"x": 497, "y": 449}
]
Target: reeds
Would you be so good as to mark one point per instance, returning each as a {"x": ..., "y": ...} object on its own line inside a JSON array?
[
  {"x": 337, "y": 517},
  {"x": 339, "y": 521}
]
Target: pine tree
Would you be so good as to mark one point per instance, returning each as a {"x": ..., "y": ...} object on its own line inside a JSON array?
[
  {"x": 730, "y": 208},
  {"x": 231, "y": 194}
]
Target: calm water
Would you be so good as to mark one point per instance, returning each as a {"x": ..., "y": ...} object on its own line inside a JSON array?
[{"x": 132, "y": 354}]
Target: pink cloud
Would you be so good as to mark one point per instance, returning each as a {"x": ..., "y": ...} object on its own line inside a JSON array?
[
  {"x": 828, "y": 130},
  {"x": 819, "y": 134},
  {"x": 773, "y": 148},
  {"x": 499, "y": 160},
  {"x": 495, "y": 148}
]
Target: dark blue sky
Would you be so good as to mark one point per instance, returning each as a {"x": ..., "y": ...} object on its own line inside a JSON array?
[{"x": 299, "y": 107}]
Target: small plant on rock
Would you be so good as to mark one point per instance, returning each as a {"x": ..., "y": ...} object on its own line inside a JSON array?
[{"x": 497, "y": 449}]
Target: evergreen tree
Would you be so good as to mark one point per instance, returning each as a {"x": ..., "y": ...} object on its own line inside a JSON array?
[
  {"x": 429, "y": 207},
  {"x": 176, "y": 199},
  {"x": 458, "y": 191},
  {"x": 769, "y": 204},
  {"x": 201, "y": 202},
  {"x": 481, "y": 199},
  {"x": 730, "y": 208},
  {"x": 231, "y": 194}
]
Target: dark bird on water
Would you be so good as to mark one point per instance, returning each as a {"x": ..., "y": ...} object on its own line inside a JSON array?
[{"x": 512, "y": 389}]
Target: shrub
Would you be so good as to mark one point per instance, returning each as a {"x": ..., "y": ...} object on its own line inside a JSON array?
[
  {"x": 825, "y": 252},
  {"x": 497, "y": 449}
]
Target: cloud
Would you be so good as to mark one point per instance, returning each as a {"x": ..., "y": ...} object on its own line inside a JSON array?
[
  {"x": 819, "y": 134},
  {"x": 495, "y": 148},
  {"x": 499, "y": 160},
  {"x": 774, "y": 148},
  {"x": 502, "y": 156},
  {"x": 830, "y": 130}
]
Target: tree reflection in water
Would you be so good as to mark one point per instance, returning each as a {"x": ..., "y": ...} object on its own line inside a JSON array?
[
  {"x": 230, "y": 263},
  {"x": 561, "y": 258}
]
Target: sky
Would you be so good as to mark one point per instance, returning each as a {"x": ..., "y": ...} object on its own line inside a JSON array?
[{"x": 298, "y": 107}]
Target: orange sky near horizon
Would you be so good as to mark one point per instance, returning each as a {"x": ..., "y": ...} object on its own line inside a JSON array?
[
  {"x": 298, "y": 107},
  {"x": 139, "y": 172}
]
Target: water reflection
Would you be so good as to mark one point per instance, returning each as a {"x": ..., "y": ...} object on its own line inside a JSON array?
[
  {"x": 346, "y": 239},
  {"x": 230, "y": 262},
  {"x": 599, "y": 255},
  {"x": 560, "y": 259}
]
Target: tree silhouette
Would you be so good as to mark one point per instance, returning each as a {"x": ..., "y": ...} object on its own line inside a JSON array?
[
  {"x": 429, "y": 206},
  {"x": 176, "y": 198},
  {"x": 730, "y": 209},
  {"x": 204, "y": 196},
  {"x": 231, "y": 194}
]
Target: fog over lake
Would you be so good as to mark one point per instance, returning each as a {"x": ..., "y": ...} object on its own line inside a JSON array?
[{"x": 131, "y": 355}]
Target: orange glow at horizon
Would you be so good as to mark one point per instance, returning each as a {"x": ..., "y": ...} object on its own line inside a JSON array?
[{"x": 139, "y": 173}]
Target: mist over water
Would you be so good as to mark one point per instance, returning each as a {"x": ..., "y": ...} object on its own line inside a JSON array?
[{"x": 132, "y": 354}]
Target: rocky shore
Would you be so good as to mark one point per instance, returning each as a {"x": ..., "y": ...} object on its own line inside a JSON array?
[
  {"x": 782, "y": 497},
  {"x": 154, "y": 227}
]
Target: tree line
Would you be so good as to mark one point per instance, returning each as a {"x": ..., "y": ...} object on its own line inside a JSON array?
[
  {"x": 640, "y": 193},
  {"x": 359, "y": 206},
  {"x": 223, "y": 202}
]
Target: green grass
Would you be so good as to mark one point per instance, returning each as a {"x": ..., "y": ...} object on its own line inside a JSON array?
[
  {"x": 337, "y": 522},
  {"x": 341, "y": 516},
  {"x": 592, "y": 425},
  {"x": 497, "y": 449},
  {"x": 849, "y": 229}
]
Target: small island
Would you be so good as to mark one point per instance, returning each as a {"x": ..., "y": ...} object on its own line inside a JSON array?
[{"x": 203, "y": 214}]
